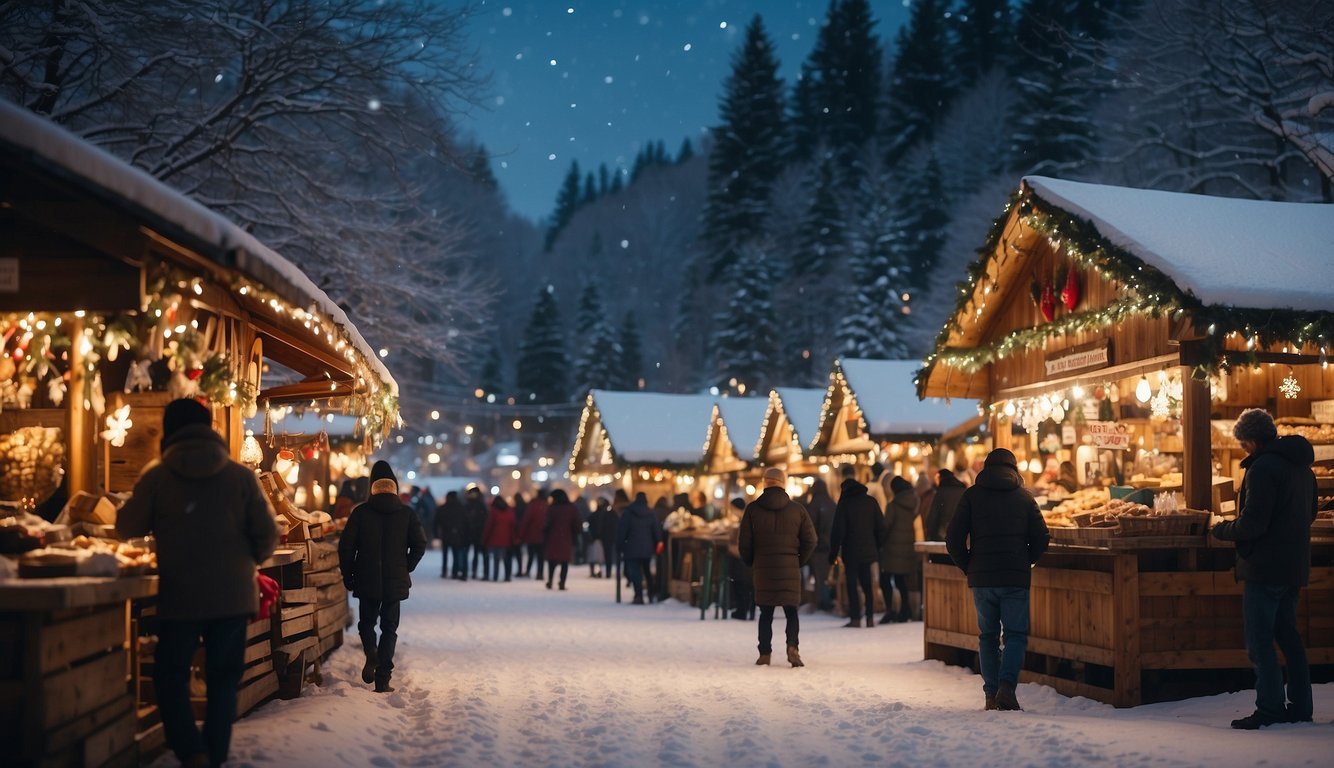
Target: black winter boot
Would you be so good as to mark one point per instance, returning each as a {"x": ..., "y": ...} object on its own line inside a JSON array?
[{"x": 1005, "y": 698}]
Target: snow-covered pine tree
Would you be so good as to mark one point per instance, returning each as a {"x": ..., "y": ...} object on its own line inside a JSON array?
[
  {"x": 630, "y": 372},
  {"x": 747, "y": 152},
  {"x": 921, "y": 215},
  {"x": 745, "y": 341},
  {"x": 597, "y": 362},
  {"x": 919, "y": 82},
  {"x": 979, "y": 39},
  {"x": 686, "y": 151},
  {"x": 1050, "y": 127},
  {"x": 567, "y": 202},
  {"x": 869, "y": 327},
  {"x": 492, "y": 377},
  {"x": 542, "y": 373}
]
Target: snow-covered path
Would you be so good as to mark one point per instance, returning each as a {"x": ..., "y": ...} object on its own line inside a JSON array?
[{"x": 513, "y": 674}]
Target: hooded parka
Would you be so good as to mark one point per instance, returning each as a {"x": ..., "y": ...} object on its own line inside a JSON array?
[
  {"x": 997, "y": 533},
  {"x": 1277, "y": 504},
  {"x": 896, "y": 556},
  {"x": 775, "y": 539},
  {"x": 859, "y": 526},
  {"x": 213, "y": 526}
]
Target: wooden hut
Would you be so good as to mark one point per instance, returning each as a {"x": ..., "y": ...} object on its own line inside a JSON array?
[
  {"x": 641, "y": 441},
  {"x": 790, "y": 424}
]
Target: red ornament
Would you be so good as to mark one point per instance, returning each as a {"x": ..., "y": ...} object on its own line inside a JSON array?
[
  {"x": 194, "y": 373},
  {"x": 1070, "y": 293},
  {"x": 1099, "y": 392},
  {"x": 1048, "y": 305}
]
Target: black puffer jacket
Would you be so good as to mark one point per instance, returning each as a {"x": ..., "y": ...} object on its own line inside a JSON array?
[
  {"x": 997, "y": 532},
  {"x": 637, "y": 532},
  {"x": 859, "y": 526},
  {"x": 382, "y": 544},
  {"x": 946, "y": 501},
  {"x": 1277, "y": 503},
  {"x": 775, "y": 539},
  {"x": 821, "y": 509}
]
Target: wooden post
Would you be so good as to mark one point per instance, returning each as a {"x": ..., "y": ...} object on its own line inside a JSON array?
[
  {"x": 82, "y": 421},
  {"x": 1125, "y": 631},
  {"x": 1198, "y": 469}
]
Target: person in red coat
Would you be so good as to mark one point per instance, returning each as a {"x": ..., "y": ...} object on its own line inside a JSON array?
[
  {"x": 498, "y": 535},
  {"x": 562, "y": 529},
  {"x": 531, "y": 531}
]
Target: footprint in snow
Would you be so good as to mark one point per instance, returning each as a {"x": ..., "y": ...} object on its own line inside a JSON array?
[
  {"x": 320, "y": 726},
  {"x": 380, "y": 761}
]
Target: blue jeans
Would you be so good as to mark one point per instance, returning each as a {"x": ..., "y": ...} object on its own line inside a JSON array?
[
  {"x": 1001, "y": 609},
  {"x": 1270, "y": 615},
  {"x": 224, "y": 660},
  {"x": 499, "y": 555}
]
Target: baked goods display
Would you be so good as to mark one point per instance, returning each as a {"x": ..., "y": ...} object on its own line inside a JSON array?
[
  {"x": 1316, "y": 433},
  {"x": 32, "y": 461}
]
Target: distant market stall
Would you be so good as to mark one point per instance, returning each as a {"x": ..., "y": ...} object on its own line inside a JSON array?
[
  {"x": 118, "y": 294},
  {"x": 1116, "y": 334},
  {"x": 871, "y": 413},
  {"x": 641, "y": 441},
  {"x": 790, "y": 424},
  {"x": 731, "y": 461}
]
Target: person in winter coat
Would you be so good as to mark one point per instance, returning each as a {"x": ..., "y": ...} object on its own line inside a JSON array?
[
  {"x": 821, "y": 509},
  {"x": 857, "y": 536},
  {"x": 1276, "y": 506},
  {"x": 380, "y": 547},
  {"x": 498, "y": 535},
  {"x": 214, "y": 526},
  {"x": 996, "y": 536},
  {"x": 896, "y": 556},
  {"x": 451, "y": 527},
  {"x": 561, "y": 533},
  {"x": 532, "y": 531},
  {"x": 601, "y": 537},
  {"x": 474, "y": 507},
  {"x": 637, "y": 537},
  {"x": 949, "y": 490},
  {"x": 776, "y": 538},
  {"x": 743, "y": 589}
]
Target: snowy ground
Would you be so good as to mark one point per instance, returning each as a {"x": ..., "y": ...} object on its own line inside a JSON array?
[{"x": 515, "y": 675}]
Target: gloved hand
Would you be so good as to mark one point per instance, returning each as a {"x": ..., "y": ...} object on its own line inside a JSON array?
[
  {"x": 268, "y": 595},
  {"x": 658, "y": 549}
]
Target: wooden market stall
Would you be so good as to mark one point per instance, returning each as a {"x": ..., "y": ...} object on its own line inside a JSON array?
[
  {"x": 118, "y": 294},
  {"x": 641, "y": 441},
  {"x": 1122, "y": 331},
  {"x": 871, "y": 413},
  {"x": 790, "y": 424},
  {"x": 731, "y": 451}
]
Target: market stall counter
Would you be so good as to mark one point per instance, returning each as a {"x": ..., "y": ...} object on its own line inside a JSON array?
[{"x": 1129, "y": 621}]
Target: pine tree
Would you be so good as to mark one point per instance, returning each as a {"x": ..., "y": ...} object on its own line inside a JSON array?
[
  {"x": 919, "y": 82},
  {"x": 745, "y": 341},
  {"x": 922, "y": 214},
  {"x": 542, "y": 373},
  {"x": 567, "y": 202},
  {"x": 598, "y": 360},
  {"x": 590, "y": 190},
  {"x": 747, "y": 153},
  {"x": 820, "y": 238},
  {"x": 603, "y": 180},
  {"x": 803, "y": 117},
  {"x": 631, "y": 369},
  {"x": 617, "y": 182},
  {"x": 686, "y": 151},
  {"x": 1052, "y": 132},
  {"x": 869, "y": 328},
  {"x": 981, "y": 39},
  {"x": 479, "y": 168}
]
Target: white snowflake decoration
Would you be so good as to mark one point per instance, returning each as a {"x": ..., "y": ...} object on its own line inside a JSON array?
[
  {"x": 118, "y": 425},
  {"x": 1290, "y": 388}
]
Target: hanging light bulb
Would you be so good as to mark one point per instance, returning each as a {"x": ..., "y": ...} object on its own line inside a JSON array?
[
  {"x": 1142, "y": 390},
  {"x": 251, "y": 453}
]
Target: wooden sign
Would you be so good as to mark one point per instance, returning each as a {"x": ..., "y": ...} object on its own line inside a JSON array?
[
  {"x": 1085, "y": 357},
  {"x": 1109, "y": 435}
]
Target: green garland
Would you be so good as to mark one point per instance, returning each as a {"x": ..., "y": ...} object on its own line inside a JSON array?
[{"x": 1154, "y": 294}]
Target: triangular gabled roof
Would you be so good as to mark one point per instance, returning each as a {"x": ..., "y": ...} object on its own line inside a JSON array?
[
  {"x": 1217, "y": 268},
  {"x": 792, "y": 414},
  {"x": 802, "y": 409},
  {"x": 871, "y": 400},
  {"x": 642, "y": 428}
]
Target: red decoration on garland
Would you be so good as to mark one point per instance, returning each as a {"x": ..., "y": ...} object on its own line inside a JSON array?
[
  {"x": 1048, "y": 305},
  {"x": 1070, "y": 293},
  {"x": 193, "y": 374}
]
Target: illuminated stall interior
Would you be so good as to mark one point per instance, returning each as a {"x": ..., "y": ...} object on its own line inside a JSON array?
[
  {"x": 792, "y": 416},
  {"x": 641, "y": 441},
  {"x": 871, "y": 414}
]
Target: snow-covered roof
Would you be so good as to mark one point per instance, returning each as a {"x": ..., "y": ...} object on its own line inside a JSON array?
[
  {"x": 802, "y": 407},
  {"x": 652, "y": 427},
  {"x": 887, "y": 396},
  {"x": 1226, "y": 251},
  {"x": 744, "y": 418},
  {"x": 309, "y": 423},
  {"x": 127, "y": 186}
]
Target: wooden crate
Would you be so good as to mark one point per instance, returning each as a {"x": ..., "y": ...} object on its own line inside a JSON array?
[{"x": 121, "y": 465}]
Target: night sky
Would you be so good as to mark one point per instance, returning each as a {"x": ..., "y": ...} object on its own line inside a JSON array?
[{"x": 593, "y": 80}]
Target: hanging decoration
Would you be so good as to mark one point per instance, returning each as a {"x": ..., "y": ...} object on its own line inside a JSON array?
[
  {"x": 118, "y": 426},
  {"x": 1070, "y": 292},
  {"x": 1048, "y": 305},
  {"x": 1289, "y": 387}
]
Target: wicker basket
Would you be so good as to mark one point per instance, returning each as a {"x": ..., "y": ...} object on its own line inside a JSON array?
[
  {"x": 1086, "y": 536},
  {"x": 1188, "y": 523}
]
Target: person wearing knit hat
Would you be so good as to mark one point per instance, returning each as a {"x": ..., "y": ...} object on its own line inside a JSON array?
[
  {"x": 775, "y": 539},
  {"x": 380, "y": 547},
  {"x": 214, "y": 525},
  {"x": 1275, "y": 508},
  {"x": 995, "y": 537}
]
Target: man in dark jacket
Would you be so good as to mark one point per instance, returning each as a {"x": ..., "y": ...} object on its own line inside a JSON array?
[
  {"x": 857, "y": 536},
  {"x": 451, "y": 527},
  {"x": 776, "y": 538},
  {"x": 1276, "y": 506},
  {"x": 996, "y": 536},
  {"x": 637, "y": 537},
  {"x": 821, "y": 509},
  {"x": 949, "y": 489},
  {"x": 382, "y": 544},
  {"x": 213, "y": 526}
]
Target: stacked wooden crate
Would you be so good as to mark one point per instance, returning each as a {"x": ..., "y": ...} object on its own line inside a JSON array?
[{"x": 331, "y": 610}]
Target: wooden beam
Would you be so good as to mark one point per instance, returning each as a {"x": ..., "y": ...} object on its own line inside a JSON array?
[
  {"x": 1091, "y": 378},
  {"x": 307, "y": 390},
  {"x": 1198, "y": 468}
]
